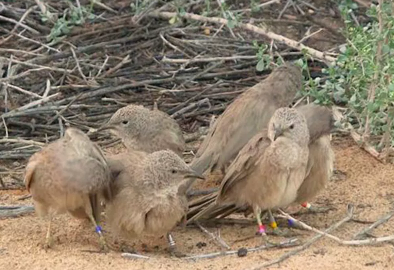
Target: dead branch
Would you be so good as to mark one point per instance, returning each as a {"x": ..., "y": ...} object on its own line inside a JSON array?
[{"x": 259, "y": 30}]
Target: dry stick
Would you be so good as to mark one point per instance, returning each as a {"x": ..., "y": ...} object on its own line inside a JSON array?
[
  {"x": 247, "y": 26},
  {"x": 34, "y": 31},
  {"x": 45, "y": 11},
  {"x": 259, "y": 6},
  {"x": 209, "y": 59},
  {"x": 337, "y": 239},
  {"x": 78, "y": 65},
  {"x": 174, "y": 110},
  {"x": 309, "y": 242},
  {"x": 219, "y": 240},
  {"x": 124, "y": 61},
  {"x": 190, "y": 107},
  {"x": 35, "y": 42},
  {"x": 14, "y": 211},
  {"x": 41, "y": 66},
  {"x": 372, "y": 86},
  {"x": 31, "y": 104},
  {"x": 132, "y": 256},
  {"x": 64, "y": 109},
  {"x": 22, "y": 18},
  {"x": 380, "y": 221},
  {"x": 338, "y": 116},
  {"x": 23, "y": 90},
  {"x": 98, "y": 3},
  {"x": 284, "y": 244},
  {"x": 18, "y": 140},
  {"x": 47, "y": 88}
]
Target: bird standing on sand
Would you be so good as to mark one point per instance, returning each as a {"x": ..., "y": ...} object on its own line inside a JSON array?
[
  {"x": 146, "y": 130},
  {"x": 68, "y": 175},
  {"x": 248, "y": 164},
  {"x": 149, "y": 194}
]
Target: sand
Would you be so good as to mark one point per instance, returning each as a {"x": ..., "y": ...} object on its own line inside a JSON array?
[{"x": 364, "y": 182}]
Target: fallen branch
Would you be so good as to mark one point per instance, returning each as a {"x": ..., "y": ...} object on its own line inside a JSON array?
[
  {"x": 15, "y": 211},
  {"x": 284, "y": 244},
  {"x": 379, "y": 222},
  {"x": 217, "y": 239},
  {"x": 247, "y": 26},
  {"x": 309, "y": 242}
]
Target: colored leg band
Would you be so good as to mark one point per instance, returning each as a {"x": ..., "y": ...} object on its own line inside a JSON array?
[
  {"x": 306, "y": 205},
  {"x": 274, "y": 225},
  {"x": 290, "y": 222},
  {"x": 98, "y": 230},
  {"x": 261, "y": 229}
]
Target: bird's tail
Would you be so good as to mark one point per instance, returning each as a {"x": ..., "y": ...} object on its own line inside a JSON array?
[{"x": 207, "y": 208}]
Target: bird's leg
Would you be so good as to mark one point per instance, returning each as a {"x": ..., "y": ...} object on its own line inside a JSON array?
[
  {"x": 261, "y": 231},
  {"x": 257, "y": 213},
  {"x": 48, "y": 239},
  {"x": 315, "y": 209},
  {"x": 274, "y": 226},
  {"x": 172, "y": 247},
  {"x": 103, "y": 244}
]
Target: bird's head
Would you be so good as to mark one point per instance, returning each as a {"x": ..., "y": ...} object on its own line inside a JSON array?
[
  {"x": 168, "y": 169},
  {"x": 289, "y": 123},
  {"x": 127, "y": 122}
]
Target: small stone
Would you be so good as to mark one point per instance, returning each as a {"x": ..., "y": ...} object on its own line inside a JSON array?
[
  {"x": 201, "y": 244},
  {"x": 242, "y": 252}
]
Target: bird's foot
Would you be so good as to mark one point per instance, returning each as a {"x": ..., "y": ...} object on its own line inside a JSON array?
[
  {"x": 175, "y": 252},
  {"x": 267, "y": 241},
  {"x": 48, "y": 243},
  {"x": 284, "y": 232},
  {"x": 262, "y": 232},
  {"x": 103, "y": 245}
]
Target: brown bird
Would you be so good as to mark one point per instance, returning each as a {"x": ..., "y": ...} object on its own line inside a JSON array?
[
  {"x": 270, "y": 168},
  {"x": 321, "y": 156},
  {"x": 146, "y": 130},
  {"x": 245, "y": 117},
  {"x": 318, "y": 170},
  {"x": 149, "y": 194},
  {"x": 68, "y": 175}
]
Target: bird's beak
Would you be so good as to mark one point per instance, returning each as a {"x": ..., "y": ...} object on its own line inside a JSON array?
[
  {"x": 194, "y": 174},
  {"x": 105, "y": 127},
  {"x": 277, "y": 133}
]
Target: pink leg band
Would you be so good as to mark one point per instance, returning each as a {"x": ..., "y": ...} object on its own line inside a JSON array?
[{"x": 261, "y": 229}]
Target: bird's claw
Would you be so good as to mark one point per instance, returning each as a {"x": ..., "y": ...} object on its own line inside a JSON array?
[
  {"x": 48, "y": 243},
  {"x": 282, "y": 232},
  {"x": 103, "y": 245},
  {"x": 176, "y": 253}
]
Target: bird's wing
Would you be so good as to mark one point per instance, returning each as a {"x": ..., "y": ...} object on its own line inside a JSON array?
[
  {"x": 319, "y": 170},
  {"x": 245, "y": 117},
  {"x": 321, "y": 156},
  {"x": 29, "y": 172},
  {"x": 245, "y": 162}
]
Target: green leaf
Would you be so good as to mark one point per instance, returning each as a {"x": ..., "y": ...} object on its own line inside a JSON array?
[
  {"x": 172, "y": 20},
  {"x": 260, "y": 65}
]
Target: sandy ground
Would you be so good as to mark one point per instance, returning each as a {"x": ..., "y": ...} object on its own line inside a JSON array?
[{"x": 367, "y": 185}]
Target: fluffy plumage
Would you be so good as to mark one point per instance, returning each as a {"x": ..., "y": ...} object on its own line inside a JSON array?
[
  {"x": 68, "y": 175},
  {"x": 146, "y": 130}
]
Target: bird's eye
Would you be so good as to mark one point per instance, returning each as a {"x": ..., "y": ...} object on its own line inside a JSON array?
[
  {"x": 291, "y": 126},
  {"x": 125, "y": 122},
  {"x": 173, "y": 171}
]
